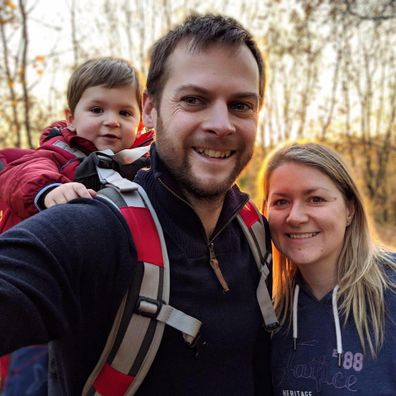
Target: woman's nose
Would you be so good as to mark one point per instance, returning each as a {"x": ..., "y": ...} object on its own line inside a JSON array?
[{"x": 297, "y": 214}]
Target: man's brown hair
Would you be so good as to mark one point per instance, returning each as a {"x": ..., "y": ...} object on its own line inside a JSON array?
[{"x": 200, "y": 31}]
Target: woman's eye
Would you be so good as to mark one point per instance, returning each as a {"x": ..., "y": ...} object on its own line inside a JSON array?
[
  {"x": 96, "y": 110},
  {"x": 279, "y": 202},
  {"x": 316, "y": 199}
]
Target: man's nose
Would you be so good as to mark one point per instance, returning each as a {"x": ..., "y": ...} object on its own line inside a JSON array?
[
  {"x": 219, "y": 120},
  {"x": 297, "y": 214}
]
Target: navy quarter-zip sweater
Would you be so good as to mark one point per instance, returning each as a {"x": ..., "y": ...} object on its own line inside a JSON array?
[{"x": 64, "y": 272}]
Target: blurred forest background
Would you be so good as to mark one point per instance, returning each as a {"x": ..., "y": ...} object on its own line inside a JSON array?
[{"x": 331, "y": 63}]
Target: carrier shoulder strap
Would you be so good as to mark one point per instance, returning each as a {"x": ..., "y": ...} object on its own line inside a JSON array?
[
  {"x": 139, "y": 324},
  {"x": 66, "y": 147},
  {"x": 257, "y": 234}
]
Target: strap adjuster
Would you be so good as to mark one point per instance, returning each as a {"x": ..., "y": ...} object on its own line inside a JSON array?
[
  {"x": 197, "y": 345},
  {"x": 271, "y": 327},
  {"x": 104, "y": 161},
  {"x": 148, "y": 307}
]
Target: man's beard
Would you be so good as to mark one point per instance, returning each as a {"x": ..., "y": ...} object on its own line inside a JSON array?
[{"x": 181, "y": 171}]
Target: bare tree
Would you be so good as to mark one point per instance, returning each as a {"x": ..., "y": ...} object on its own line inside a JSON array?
[
  {"x": 22, "y": 73},
  {"x": 371, "y": 10},
  {"x": 7, "y": 16}
]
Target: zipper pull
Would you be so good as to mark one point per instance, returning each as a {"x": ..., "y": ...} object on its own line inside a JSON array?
[{"x": 214, "y": 263}]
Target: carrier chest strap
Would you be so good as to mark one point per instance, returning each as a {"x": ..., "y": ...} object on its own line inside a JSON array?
[
  {"x": 256, "y": 234},
  {"x": 139, "y": 324}
]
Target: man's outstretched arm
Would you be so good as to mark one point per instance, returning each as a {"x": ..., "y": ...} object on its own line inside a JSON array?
[{"x": 57, "y": 267}]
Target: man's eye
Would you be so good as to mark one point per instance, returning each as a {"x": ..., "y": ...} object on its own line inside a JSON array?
[
  {"x": 191, "y": 100},
  {"x": 241, "y": 106},
  {"x": 96, "y": 110}
]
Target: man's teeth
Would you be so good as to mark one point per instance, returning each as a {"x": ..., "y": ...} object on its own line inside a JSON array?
[
  {"x": 214, "y": 153},
  {"x": 303, "y": 236}
]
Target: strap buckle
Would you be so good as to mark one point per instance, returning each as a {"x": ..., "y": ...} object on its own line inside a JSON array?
[
  {"x": 104, "y": 160},
  {"x": 148, "y": 307},
  {"x": 271, "y": 327},
  {"x": 198, "y": 345}
]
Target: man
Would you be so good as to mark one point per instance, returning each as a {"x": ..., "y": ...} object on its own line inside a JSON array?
[{"x": 64, "y": 272}]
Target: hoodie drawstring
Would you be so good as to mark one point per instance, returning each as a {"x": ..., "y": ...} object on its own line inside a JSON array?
[
  {"x": 336, "y": 322},
  {"x": 337, "y": 327},
  {"x": 295, "y": 306}
]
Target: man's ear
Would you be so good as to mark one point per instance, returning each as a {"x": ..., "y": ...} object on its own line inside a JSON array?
[{"x": 149, "y": 111}]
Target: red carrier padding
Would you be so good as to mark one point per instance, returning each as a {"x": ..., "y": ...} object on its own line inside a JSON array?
[
  {"x": 249, "y": 214},
  {"x": 144, "y": 234},
  {"x": 111, "y": 382},
  {"x": 4, "y": 363}
]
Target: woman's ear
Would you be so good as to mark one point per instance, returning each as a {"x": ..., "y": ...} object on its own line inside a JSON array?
[
  {"x": 350, "y": 212},
  {"x": 149, "y": 111}
]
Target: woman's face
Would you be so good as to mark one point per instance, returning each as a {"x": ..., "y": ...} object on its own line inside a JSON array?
[{"x": 307, "y": 214}]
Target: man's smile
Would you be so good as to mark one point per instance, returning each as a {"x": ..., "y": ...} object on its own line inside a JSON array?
[{"x": 210, "y": 153}]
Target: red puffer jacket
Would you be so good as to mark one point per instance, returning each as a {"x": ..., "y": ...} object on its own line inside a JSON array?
[
  {"x": 21, "y": 180},
  {"x": 25, "y": 177},
  {"x": 7, "y": 219}
]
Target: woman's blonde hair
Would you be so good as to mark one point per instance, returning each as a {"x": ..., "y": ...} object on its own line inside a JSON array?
[{"x": 361, "y": 274}]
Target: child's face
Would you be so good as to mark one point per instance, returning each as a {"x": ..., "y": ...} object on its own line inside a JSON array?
[{"x": 108, "y": 117}]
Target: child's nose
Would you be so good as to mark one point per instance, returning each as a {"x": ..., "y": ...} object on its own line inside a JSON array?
[{"x": 112, "y": 122}]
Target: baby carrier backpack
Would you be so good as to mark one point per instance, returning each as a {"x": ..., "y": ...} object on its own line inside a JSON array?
[{"x": 139, "y": 324}]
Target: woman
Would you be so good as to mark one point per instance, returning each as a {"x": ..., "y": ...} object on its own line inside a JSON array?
[{"x": 334, "y": 290}]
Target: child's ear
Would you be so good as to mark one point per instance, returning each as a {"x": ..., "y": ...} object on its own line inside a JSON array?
[
  {"x": 149, "y": 112},
  {"x": 70, "y": 119},
  {"x": 69, "y": 116}
]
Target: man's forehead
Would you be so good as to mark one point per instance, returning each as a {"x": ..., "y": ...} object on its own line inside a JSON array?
[
  {"x": 189, "y": 47},
  {"x": 189, "y": 59}
]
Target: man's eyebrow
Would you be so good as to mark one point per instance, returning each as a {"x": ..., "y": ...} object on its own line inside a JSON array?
[
  {"x": 192, "y": 87},
  {"x": 204, "y": 91}
]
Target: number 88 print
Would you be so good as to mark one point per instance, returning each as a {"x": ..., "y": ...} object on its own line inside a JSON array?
[{"x": 351, "y": 360}]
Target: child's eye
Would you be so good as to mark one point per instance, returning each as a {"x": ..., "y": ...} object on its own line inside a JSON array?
[
  {"x": 126, "y": 113},
  {"x": 96, "y": 110}
]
